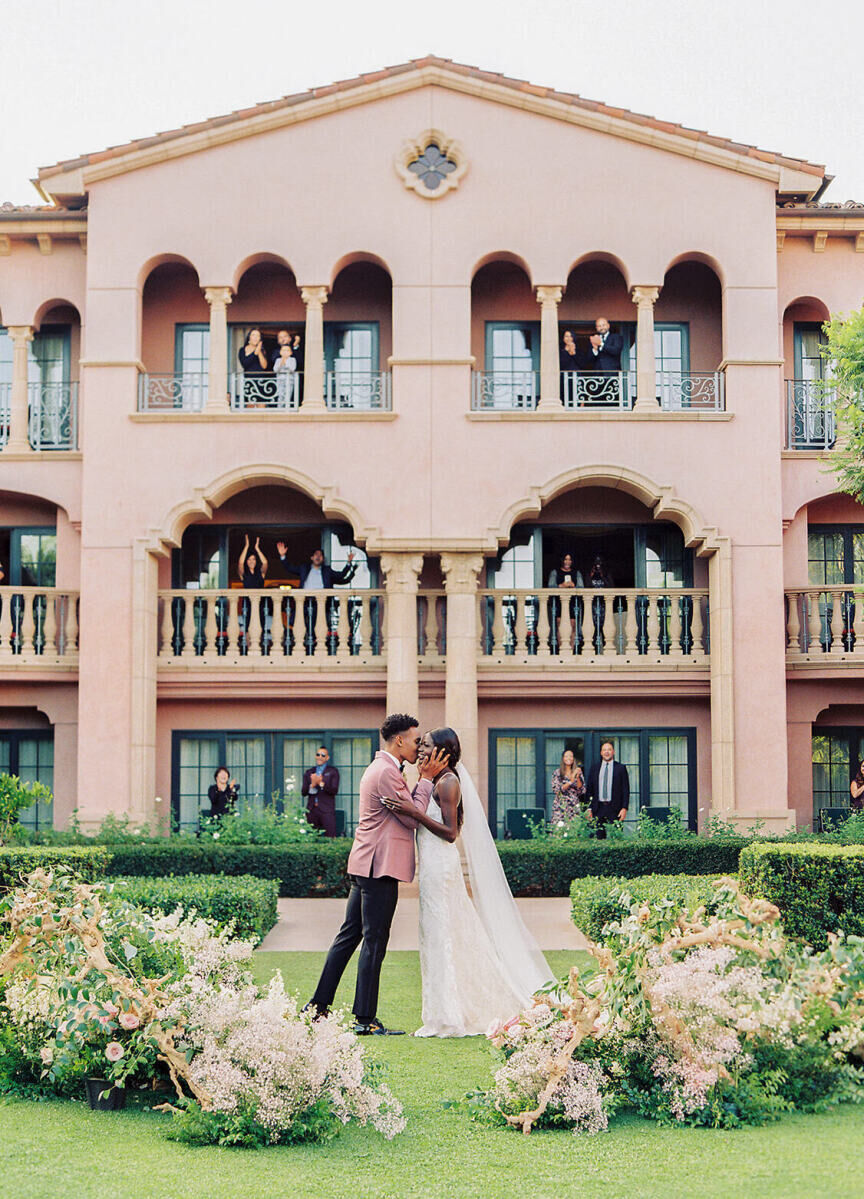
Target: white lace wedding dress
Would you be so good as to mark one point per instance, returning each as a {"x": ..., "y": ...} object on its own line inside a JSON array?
[{"x": 470, "y": 977}]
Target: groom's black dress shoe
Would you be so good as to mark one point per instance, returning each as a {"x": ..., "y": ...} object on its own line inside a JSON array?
[{"x": 375, "y": 1028}]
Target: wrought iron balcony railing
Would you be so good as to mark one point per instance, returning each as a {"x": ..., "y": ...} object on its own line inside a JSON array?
[
  {"x": 695, "y": 391},
  {"x": 504, "y": 391},
  {"x": 177, "y": 392},
  {"x": 811, "y": 419},
  {"x": 5, "y": 410},
  {"x": 597, "y": 389},
  {"x": 358, "y": 391},
  {"x": 53, "y": 416},
  {"x": 280, "y": 391}
]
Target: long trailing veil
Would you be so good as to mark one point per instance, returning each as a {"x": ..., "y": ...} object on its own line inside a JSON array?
[{"x": 516, "y": 948}]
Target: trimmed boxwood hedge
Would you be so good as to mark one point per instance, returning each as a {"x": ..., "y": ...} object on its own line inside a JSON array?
[
  {"x": 90, "y": 861},
  {"x": 300, "y": 870},
  {"x": 818, "y": 888},
  {"x": 249, "y": 902},
  {"x": 548, "y": 867},
  {"x": 596, "y": 901}
]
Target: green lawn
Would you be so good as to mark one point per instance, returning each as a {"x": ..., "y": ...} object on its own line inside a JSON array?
[{"x": 63, "y": 1149}]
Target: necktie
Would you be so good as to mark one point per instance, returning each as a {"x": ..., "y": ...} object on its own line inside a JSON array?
[{"x": 605, "y": 787}]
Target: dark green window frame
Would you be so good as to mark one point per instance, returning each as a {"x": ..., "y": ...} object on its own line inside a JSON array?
[
  {"x": 593, "y": 738},
  {"x": 847, "y": 532},
  {"x": 179, "y": 330},
  {"x": 15, "y": 535},
  {"x": 39, "y": 816},
  {"x": 274, "y": 770},
  {"x": 852, "y": 737},
  {"x": 799, "y": 329},
  {"x": 531, "y": 327},
  {"x": 333, "y": 331}
]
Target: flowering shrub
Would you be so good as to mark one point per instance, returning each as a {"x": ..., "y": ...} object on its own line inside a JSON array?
[
  {"x": 268, "y": 827},
  {"x": 707, "y": 1020},
  {"x": 91, "y": 986}
]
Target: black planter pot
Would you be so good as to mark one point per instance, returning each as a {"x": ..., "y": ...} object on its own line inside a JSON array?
[{"x": 112, "y": 1102}]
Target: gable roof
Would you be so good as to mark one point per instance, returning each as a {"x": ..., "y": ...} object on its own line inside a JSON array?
[{"x": 794, "y": 176}]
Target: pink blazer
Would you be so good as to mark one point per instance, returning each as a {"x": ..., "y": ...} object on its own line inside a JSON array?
[{"x": 382, "y": 844}]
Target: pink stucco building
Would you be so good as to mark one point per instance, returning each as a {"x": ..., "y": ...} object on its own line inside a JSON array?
[{"x": 428, "y": 232}]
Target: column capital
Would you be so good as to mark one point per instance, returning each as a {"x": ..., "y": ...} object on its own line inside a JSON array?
[
  {"x": 645, "y": 296},
  {"x": 401, "y": 570},
  {"x": 20, "y": 334},
  {"x": 315, "y": 296},
  {"x": 549, "y": 293},
  {"x": 218, "y": 295},
  {"x": 461, "y": 571}
]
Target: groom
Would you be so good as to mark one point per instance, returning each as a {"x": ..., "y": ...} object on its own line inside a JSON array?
[{"x": 381, "y": 856}]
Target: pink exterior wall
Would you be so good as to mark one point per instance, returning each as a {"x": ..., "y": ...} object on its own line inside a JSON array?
[{"x": 435, "y": 476}]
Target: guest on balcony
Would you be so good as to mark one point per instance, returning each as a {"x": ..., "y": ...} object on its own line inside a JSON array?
[
  {"x": 571, "y": 359},
  {"x": 567, "y": 578},
  {"x": 317, "y": 575},
  {"x": 252, "y": 568},
  {"x": 285, "y": 369},
  {"x": 568, "y": 787},
  {"x": 253, "y": 359},
  {"x": 320, "y": 786},
  {"x": 606, "y": 347}
]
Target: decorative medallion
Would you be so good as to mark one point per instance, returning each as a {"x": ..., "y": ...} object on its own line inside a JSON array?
[{"x": 431, "y": 165}]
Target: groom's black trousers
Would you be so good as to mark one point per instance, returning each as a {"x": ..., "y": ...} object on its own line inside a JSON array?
[{"x": 368, "y": 916}]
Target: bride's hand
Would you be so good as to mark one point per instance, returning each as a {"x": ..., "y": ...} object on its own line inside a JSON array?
[
  {"x": 434, "y": 764},
  {"x": 392, "y": 804}
]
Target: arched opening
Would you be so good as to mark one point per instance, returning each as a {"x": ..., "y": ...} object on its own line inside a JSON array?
[
  {"x": 505, "y": 334},
  {"x": 810, "y": 416},
  {"x": 358, "y": 335},
  {"x": 53, "y": 374},
  {"x": 593, "y": 374},
  {"x": 175, "y": 336},
  {"x": 266, "y": 314},
  {"x": 310, "y": 600},
  {"x": 603, "y": 578}
]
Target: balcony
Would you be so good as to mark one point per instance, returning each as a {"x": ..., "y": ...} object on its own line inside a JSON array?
[
  {"x": 366, "y": 391},
  {"x": 811, "y": 421},
  {"x": 38, "y": 628},
  {"x": 264, "y": 629},
  {"x": 603, "y": 391},
  {"x": 595, "y": 628},
  {"x": 52, "y": 421},
  {"x": 825, "y": 627}
]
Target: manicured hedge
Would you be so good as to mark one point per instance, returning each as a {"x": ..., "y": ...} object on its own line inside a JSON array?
[
  {"x": 548, "y": 867},
  {"x": 249, "y": 902},
  {"x": 596, "y": 901},
  {"x": 89, "y": 861},
  {"x": 818, "y": 888},
  {"x": 314, "y": 869}
]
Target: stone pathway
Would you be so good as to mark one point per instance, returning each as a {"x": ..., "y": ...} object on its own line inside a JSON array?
[{"x": 311, "y": 924}]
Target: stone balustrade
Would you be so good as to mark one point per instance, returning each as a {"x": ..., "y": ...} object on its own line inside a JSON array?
[
  {"x": 38, "y": 627},
  {"x": 825, "y": 626}
]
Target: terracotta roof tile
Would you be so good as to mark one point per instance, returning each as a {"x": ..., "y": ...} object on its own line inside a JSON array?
[{"x": 432, "y": 60}]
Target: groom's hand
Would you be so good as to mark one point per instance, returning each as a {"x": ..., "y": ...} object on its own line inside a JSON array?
[{"x": 434, "y": 764}]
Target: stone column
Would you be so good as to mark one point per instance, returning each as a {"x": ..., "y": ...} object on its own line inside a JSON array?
[
  {"x": 19, "y": 411},
  {"x": 550, "y": 390},
  {"x": 646, "y": 372},
  {"x": 217, "y": 384},
  {"x": 463, "y": 640},
  {"x": 313, "y": 380},
  {"x": 400, "y": 624},
  {"x": 722, "y": 681}
]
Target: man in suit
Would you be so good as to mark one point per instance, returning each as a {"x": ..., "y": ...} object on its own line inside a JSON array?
[
  {"x": 320, "y": 786},
  {"x": 315, "y": 575},
  {"x": 606, "y": 347},
  {"x": 607, "y": 789},
  {"x": 381, "y": 857}
]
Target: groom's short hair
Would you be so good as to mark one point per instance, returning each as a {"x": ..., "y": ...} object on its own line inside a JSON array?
[{"x": 398, "y": 722}]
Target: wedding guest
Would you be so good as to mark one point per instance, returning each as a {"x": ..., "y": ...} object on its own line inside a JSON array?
[
  {"x": 607, "y": 790},
  {"x": 317, "y": 575},
  {"x": 606, "y": 346},
  {"x": 253, "y": 359},
  {"x": 570, "y": 361},
  {"x": 252, "y": 568},
  {"x": 568, "y": 787},
  {"x": 223, "y": 793},
  {"x": 856, "y": 790},
  {"x": 285, "y": 369},
  {"x": 320, "y": 787},
  {"x": 565, "y": 577}
]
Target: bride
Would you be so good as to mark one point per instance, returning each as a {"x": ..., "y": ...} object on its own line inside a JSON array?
[{"x": 478, "y": 962}]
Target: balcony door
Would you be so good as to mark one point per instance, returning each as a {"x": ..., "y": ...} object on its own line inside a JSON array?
[
  {"x": 351, "y": 355},
  {"x": 836, "y": 755},
  {"x": 29, "y": 754},
  {"x": 810, "y": 366}
]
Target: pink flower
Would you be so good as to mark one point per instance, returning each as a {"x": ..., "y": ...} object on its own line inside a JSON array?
[
  {"x": 128, "y": 1020},
  {"x": 112, "y": 1010},
  {"x": 47, "y": 1054},
  {"x": 114, "y": 1051}
]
